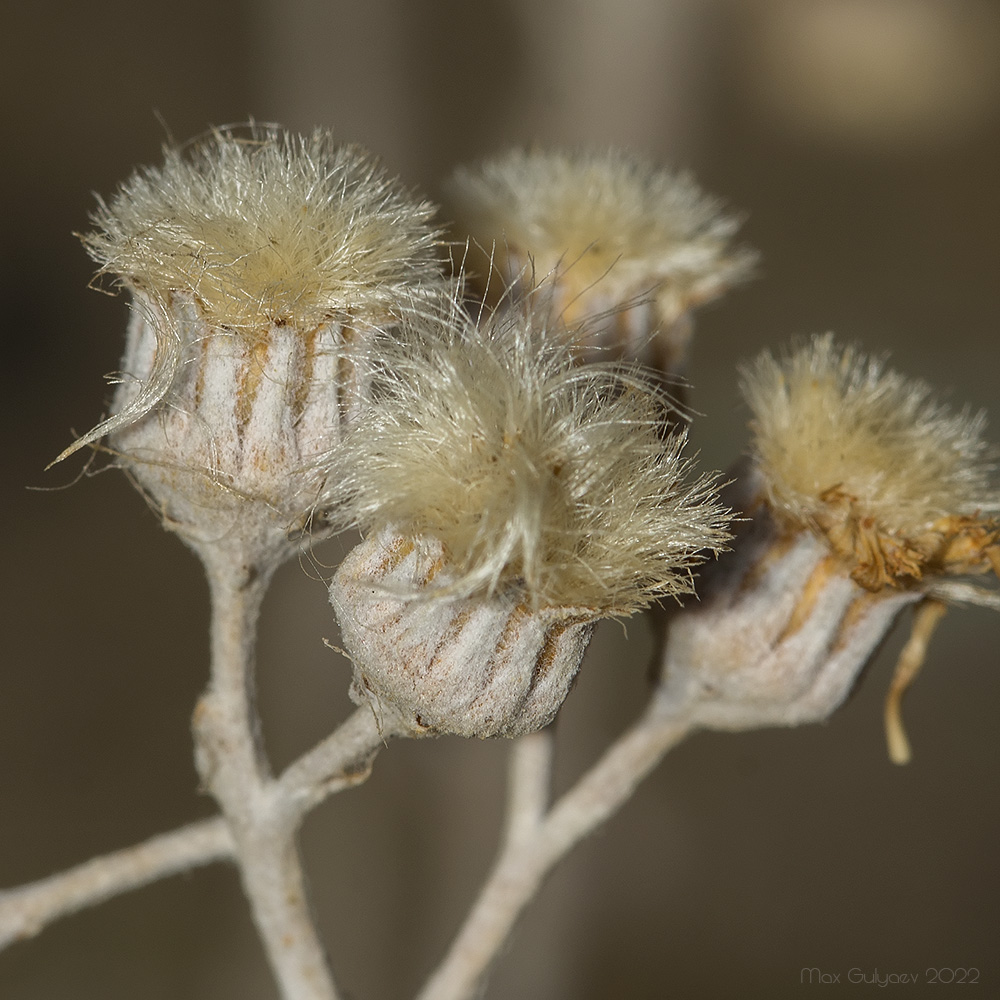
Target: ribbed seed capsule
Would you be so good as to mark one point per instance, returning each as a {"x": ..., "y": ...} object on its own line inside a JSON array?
[
  {"x": 261, "y": 265},
  {"x": 486, "y": 666},
  {"x": 780, "y": 632},
  {"x": 232, "y": 448}
]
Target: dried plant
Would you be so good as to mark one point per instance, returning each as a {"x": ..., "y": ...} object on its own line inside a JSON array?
[{"x": 298, "y": 362}]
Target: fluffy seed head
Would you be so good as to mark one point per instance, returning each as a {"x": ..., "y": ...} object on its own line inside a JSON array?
[
  {"x": 611, "y": 220},
  {"x": 252, "y": 231},
  {"x": 892, "y": 476},
  {"x": 264, "y": 227},
  {"x": 527, "y": 470}
]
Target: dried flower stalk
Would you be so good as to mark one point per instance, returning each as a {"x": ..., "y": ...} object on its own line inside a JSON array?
[{"x": 296, "y": 362}]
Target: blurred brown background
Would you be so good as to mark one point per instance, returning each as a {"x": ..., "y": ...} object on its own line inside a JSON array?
[{"x": 862, "y": 140}]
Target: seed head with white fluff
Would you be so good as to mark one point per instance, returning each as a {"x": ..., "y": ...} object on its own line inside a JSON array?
[
  {"x": 259, "y": 264},
  {"x": 899, "y": 483},
  {"x": 510, "y": 497},
  {"x": 530, "y": 471},
  {"x": 625, "y": 247},
  {"x": 864, "y": 496},
  {"x": 255, "y": 230}
]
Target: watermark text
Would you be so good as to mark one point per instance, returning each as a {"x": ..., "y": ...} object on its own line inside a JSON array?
[{"x": 933, "y": 975}]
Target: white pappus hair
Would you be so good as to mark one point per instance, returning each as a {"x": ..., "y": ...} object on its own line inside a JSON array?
[
  {"x": 828, "y": 417},
  {"x": 610, "y": 216},
  {"x": 530, "y": 471},
  {"x": 262, "y": 226}
]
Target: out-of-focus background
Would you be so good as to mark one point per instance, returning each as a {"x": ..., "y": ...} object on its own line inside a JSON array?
[{"x": 861, "y": 138}]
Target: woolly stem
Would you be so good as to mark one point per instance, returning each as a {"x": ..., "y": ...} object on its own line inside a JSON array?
[
  {"x": 232, "y": 765},
  {"x": 528, "y": 855},
  {"x": 28, "y": 909},
  {"x": 529, "y": 782},
  {"x": 342, "y": 760}
]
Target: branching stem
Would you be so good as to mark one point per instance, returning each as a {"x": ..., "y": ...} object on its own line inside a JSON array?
[
  {"x": 340, "y": 761},
  {"x": 261, "y": 816},
  {"x": 26, "y": 910},
  {"x": 232, "y": 765},
  {"x": 531, "y": 850}
]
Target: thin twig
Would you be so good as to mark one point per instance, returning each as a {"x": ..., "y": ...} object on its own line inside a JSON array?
[
  {"x": 342, "y": 760},
  {"x": 525, "y": 860},
  {"x": 232, "y": 765},
  {"x": 26, "y": 910},
  {"x": 529, "y": 783}
]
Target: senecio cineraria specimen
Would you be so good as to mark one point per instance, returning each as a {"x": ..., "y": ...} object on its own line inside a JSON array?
[
  {"x": 299, "y": 362},
  {"x": 510, "y": 498},
  {"x": 258, "y": 267},
  {"x": 625, "y": 248}
]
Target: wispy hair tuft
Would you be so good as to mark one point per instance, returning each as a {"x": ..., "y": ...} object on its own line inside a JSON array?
[
  {"x": 529, "y": 471},
  {"x": 266, "y": 227},
  {"x": 610, "y": 216},
  {"x": 871, "y": 458},
  {"x": 828, "y": 417}
]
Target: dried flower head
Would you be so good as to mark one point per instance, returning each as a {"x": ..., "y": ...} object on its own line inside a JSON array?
[
  {"x": 509, "y": 499},
  {"x": 864, "y": 496},
  {"x": 259, "y": 264},
  {"x": 258, "y": 231},
  {"x": 531, "y": 472},
  {"x": 898, "y": 483},
  {"x": 624, "y": 242},
  {"x": 267, "y": 228}
]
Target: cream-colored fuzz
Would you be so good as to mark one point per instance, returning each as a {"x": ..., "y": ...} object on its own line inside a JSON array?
[
  {"x": 611, "y": 229},
  {"x": 264, "y": 228},
  {"x": 899, "y": 484},
  {"x": 478, "y": 667},
  {"x": 260, "y": 231},
  {"x": 530, "y": 472}
]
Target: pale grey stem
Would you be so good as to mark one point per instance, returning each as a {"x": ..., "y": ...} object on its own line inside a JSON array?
[
  {"x": 340, "y": 761},
  {"x": 233, "y": 767},
  {"x": 524, "y": 861},
  {"x": 26, "y": 910},
  {"x": 529, "y": 783}
]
